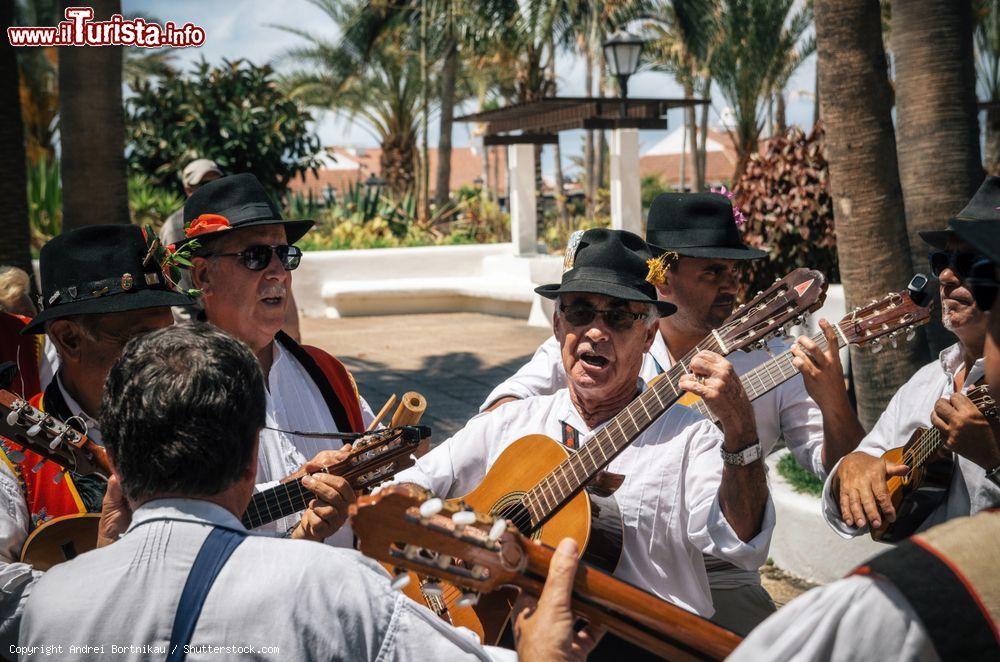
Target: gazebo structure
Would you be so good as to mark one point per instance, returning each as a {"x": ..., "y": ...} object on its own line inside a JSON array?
[{"x": 522, "y": 126}]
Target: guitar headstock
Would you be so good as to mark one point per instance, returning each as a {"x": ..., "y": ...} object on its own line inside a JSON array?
[
  {"x": 384, "y": 453},
  {"x": 891, "y": 316},
  {"x": 34, "y": 430},
  {"x": 782, "y": 304},
  {"x": 405, "y": 527},
  {"x": 985, "y": 403}
]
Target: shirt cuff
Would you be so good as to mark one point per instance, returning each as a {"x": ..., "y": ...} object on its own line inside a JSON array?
[
  {"x": 831, "y": 509},
  {"x": 726, "y": 545}
]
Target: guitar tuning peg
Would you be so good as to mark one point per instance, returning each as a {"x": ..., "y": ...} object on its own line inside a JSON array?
[
  {"x": 876, "y": 347},
  {"x": 401, "y": 579},
  {"x": 497, "y": 530},
  {"x": 58, "y": 439},
  {"x": 443, "y": 561},
  {"x": 411, "y": 552},
  {"x": 468, "y": 599},
  {"x": 432, "y": 588},
  {"x": 35, "y": 429},
  {"x": 431, "y": 507},
  {"x": 911, "y": 333},
  {"x": 38, "y": 467},
  {"x": 479, "y": 572},
  {"x": 462, "y": 519},
  {"x": 58, "y": 477},
  {"x": 16, "y": 456},
  {"x": 13, "y": 416}
]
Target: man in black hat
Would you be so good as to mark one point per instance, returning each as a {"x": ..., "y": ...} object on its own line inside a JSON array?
[
  {"x": 101, "y": 286},
  {"x": 678, "y": 500},
  {"x": 243, "y": 267},
  {"x": 701, "y": 230},
  {"x": 855, "y": 494}
]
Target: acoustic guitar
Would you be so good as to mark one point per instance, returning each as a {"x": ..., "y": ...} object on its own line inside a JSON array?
[
  {"x": 402, "y": 526},
  {"x": 918, "y": 493},
  {"x": 29, "y": 428},
  {"x": 893, "y": 317},
  {"x": 542, "y": 488}
]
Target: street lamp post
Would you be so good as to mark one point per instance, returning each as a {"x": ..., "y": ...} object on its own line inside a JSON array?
[{"x": 621, "y": 52}]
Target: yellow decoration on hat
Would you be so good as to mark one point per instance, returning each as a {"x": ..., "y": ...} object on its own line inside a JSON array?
[{"x": 658, "y": 268}]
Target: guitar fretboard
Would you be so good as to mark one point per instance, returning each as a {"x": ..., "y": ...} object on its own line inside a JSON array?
[
  {"x": 768, "y": 375},
  {"x": 573, "y": 474},
  {"x": 279, "y": 501}
]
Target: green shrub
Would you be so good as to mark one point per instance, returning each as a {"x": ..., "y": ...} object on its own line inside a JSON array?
[
  {"x": 801, "y": 480},
  {"x": 150, "y": 204},
  {"x": 44, "y": 201}
]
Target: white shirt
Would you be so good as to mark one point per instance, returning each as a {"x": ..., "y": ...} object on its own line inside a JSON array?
[
  {"x": 669, "y": 499},
  {"x": 911, "y": 407},
  {"x": 306, "y": 601},
  {"x": 294, "y": 403},
  {"x": 786, "y": 412},
  {"x": 857, "y": 618}
]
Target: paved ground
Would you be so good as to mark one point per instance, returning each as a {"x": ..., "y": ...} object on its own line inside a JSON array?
[{"x": 453, "y": 359}]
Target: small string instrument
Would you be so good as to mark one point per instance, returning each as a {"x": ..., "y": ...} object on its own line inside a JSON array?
[
  {"x": 30, "y": 429},
  {"x": 544, "y": 490},
  {"x": 893, "y": 316},
  {"x": 374, "y": 458},
  {"x": 403, "y": 527},
  {"x": 916, "y": 494}
]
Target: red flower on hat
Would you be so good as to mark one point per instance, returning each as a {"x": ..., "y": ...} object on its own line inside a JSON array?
[{"x": 206, "y": 223}]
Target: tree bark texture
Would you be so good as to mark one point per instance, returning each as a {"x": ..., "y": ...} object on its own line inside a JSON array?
[
  {"x": 15, "y": 233},
  {"x": 940, "y": 165},
  {"x": 588, "y": 143},
  {"x": 992, "y": 163},
  {"x": 92, "y": 129},
  {"x": 872, "y": 247},
  {"x": 449, "y": 75}
]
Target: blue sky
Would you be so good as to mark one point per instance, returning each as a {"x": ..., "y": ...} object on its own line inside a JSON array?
[{"x": 244, "y": 29}]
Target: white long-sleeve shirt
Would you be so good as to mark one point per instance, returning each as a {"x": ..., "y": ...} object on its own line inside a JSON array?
[
  {"x": 289, "y": 599},
  {"x": 857, "y": 618},
  {"x": 669, "y": 499},
  {"x": 294, "y": 403},
  {"x": 909, "y": 409},
  {"x": 784, "y": 413}
]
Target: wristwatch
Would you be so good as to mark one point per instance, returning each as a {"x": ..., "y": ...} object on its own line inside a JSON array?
[
  {"x": 993, "y": 475},
  {"x": 744, "y": 456}
]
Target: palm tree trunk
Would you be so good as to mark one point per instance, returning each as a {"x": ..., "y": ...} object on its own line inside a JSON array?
[
  {"x": 940, "y": 164},
  {"x": 588, "y": 143},
  {"x": 993, "y": 141},
  {"x": 449, "y": 74},
  {"x": 560, "y": 192},
  {"x": 602, "y": 147},
  {"x": 92, "y": 128},
  {"x": 691, "y": 121},
  {"x": 15, "y": 233},
  {"x": 864, "y": 183},
  {"x": 780, "y": 122},
  {"x": 703, "y": 138}
]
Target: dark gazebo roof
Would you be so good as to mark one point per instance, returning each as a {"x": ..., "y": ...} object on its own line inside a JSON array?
[{"x": 540, "y": 121}]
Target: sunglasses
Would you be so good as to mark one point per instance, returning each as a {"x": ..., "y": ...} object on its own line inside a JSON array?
[
  {"x": 983, "y": 283},
  {"x": 960, "y": 262},
  {"x": 619, "y": 319},
  {"x": 256, "y": 258}
]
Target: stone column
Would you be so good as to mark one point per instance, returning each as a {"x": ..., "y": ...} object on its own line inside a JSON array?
[
  {"x": 523, "y": 214},
  {"x": 626, "y": 197}
]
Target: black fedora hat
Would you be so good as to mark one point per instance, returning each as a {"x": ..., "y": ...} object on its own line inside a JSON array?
[
  {"x": 977, "y": 224},
  {"x": 234, "y": 202},
  {"x": 101, "y": 269},
  {"x": 609, "y": 262},
  {"x": 697, "y": 225}
]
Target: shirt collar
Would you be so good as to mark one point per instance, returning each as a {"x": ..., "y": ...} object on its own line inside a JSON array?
[
  {"x": 951, "y": 362},
  {"x": 185, "y": 510},
  {"x": 93, "y": 428}
]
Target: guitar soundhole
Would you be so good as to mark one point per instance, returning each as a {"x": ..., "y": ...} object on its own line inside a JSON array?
[{"x": 511, "y": 507}]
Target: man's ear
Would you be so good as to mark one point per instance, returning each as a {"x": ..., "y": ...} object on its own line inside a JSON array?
[
  {"x": 68, "y": 338},
  {"x": 201, "y": 274},
  {"x": 651, "y": 332},
  {"x": 557, "y": 330}
]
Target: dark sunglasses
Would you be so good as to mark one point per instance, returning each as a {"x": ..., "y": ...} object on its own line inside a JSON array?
[
  {"x": 960, "y": 262},
  {"x": 983, "y": 283},
  {"x": 619, "y": 319},
  {"x": 256, "y": 258}
]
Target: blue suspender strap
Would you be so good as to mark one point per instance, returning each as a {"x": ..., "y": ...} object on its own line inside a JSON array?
[{"x": 214, "y": 553}]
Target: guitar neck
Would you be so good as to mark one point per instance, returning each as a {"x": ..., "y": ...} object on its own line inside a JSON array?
[
  {"x": 633, "y": 614},
  {"x": 574, "y": 473},
  {"x": 767, "y": 376},
  {"x": 280, "y": 501}
]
